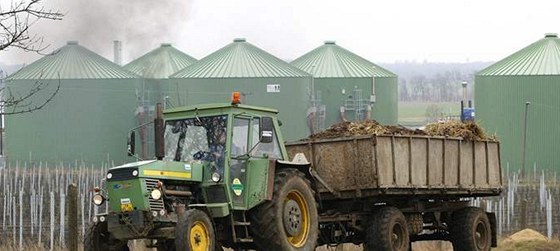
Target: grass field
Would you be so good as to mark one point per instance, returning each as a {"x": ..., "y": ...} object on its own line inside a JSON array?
[{"x": 414, "y": 113}]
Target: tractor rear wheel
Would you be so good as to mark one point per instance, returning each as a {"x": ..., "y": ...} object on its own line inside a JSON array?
[
  {"x": 289, "y": 221},
  {"x": 470, "y": 230},
  {"x": 387, "y": 230},
  {"x": 195, "y": 232}
]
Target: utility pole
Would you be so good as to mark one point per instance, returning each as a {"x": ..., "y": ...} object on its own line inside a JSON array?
[
  {"x": 372, "y": 98},
  {"x": 464, "y": 84},
  {"x": 463, "y": 101},
  {"x": 524, "y": 141}
]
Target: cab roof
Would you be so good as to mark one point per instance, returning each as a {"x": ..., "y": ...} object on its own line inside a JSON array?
[{"x": 201, "y": 107}]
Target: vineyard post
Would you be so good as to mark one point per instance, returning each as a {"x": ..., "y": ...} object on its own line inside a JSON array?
[
  {"x": 72, "y": 214},
  {"x": 52, "y": 220}
]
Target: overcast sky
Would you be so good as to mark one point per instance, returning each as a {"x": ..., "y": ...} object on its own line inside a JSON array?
[{"x": 380, "y": 31}]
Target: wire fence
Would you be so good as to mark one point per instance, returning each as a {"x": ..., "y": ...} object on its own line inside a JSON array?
[
  {"x": 33, "y": 199},
  {"x": 530, "y": 202}
]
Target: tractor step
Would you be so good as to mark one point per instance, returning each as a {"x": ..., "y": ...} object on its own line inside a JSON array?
[
  {"x": 244, "y": 240},
  {"x": 241, "y": 223}
]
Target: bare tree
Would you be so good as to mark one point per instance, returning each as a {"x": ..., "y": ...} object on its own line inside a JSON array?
[{"x": 15, "y": 22}]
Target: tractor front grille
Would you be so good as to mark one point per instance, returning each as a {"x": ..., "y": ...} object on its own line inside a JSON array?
[
  {"x": 155, "y": 205},
  {"x": 122, "y": 173}
]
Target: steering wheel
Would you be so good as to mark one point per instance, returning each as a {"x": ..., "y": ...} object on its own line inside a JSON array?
[{"x": 204, "y": 155}]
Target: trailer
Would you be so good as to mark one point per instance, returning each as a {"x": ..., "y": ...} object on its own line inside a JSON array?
[{"x": 426, "y": 181}]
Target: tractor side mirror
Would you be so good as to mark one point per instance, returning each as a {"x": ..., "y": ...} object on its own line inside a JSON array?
[
  {"x": 131, "y": 143},
  {"x": 266, "y": 129}
]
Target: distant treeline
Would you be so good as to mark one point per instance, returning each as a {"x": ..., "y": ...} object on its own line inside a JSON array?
[{"x": 435, "y": 82}]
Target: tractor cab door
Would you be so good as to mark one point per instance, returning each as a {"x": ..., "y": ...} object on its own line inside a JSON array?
[{"x": 249, "y": 162}]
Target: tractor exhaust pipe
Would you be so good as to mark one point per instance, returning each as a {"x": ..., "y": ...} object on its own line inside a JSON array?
[{"x": 158, "y": 132}]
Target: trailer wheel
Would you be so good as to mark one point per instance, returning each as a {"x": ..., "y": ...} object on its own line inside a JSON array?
[
  {"x": 289, "y": 221},
  {"x": 470, "y": 230},
  {"x": 195, "y": 232},
  {"x": 387, "y": 230},
  {"x": 96, "y": 238}
]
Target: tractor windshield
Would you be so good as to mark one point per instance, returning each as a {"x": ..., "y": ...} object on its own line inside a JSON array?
[{"x": 199, "y": 138}]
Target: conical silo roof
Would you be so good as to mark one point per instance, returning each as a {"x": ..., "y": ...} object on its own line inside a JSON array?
[
  {"x": 539, "y": 58},
  {"x": 72, "y": 61},
  {"x": 160, "y": 63},
  {"x": 240, "y": 59},
  {"x": 332, "y": 61}
]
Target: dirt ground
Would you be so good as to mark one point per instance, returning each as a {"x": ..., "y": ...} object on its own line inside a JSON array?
[
  {"x": 528, "y": 240},
  {"x": 417, "y": 246},
  {"x": 524, "y": 240}
]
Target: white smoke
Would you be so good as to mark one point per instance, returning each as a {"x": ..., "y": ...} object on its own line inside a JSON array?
[{"x": 140, "y": 24}]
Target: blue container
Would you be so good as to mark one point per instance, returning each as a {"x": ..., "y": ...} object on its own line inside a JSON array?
[{"x": 468, "y": 114}]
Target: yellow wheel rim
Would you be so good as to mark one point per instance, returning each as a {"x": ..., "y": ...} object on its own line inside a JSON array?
[
  {"x": 198, "y": 239},
  {"x": 299, "y": 239}
]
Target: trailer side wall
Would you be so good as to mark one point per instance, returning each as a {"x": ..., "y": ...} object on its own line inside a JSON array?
[{"x": 404, "y": 163}]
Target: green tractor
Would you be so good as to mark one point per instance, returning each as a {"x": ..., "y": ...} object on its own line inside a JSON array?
[{"x": 220, "y": 178}]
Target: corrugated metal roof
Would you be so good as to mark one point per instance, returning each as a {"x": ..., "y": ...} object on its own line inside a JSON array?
[
  {"x": 160, "y": 63},
  {"x": 539, "y": 58},
  {"x": 332, "y": 61},
  {"x": 72, "y": 61},
  {"x": 240, "y": 59}
]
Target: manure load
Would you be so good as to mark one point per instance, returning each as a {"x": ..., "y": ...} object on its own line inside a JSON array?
[{"x": 354, "y": 161}]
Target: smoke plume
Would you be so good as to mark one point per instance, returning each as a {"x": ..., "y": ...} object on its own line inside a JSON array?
[{"x": 140, "y": 24}]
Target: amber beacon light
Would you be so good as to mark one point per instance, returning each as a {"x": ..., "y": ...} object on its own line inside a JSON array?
[{"x": 236, "y": 98}]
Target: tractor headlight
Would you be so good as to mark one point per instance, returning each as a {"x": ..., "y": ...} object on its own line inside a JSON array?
[
  {"x": 109, "y": 176},
  {"x": 156, "y": 194},
  {"x": 135, "y": 173},
  {"x": 216, "y": 177},
  {"x": 98, "y": 199}
]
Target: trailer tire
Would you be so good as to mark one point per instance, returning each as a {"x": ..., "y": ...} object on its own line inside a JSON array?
[
  {"x": 470, "y": 230},
  {"x": 387, "y": 230},
  {"x": 289, "y": 222},
  {"x": 96, "y": 238},
  {"x": 195, "y": 231}
]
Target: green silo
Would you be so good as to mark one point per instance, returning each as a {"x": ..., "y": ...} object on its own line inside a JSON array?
[
  {"x": 87, "y": 120},
  {"x": 262, "y": 79},
  {"x": 155, "y": 67},
  {"x": 501, "y": 92},
  {"x": 350, "y": 86}
]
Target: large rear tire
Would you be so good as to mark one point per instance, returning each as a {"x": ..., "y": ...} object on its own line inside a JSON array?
[
  {"x": 97, "y": 238},
  {"x": 195, "y": 232},
  {"x": 470, "y": 230},
  {"x": 289, "y": 222},
  {"x": 387, "y": 230}
]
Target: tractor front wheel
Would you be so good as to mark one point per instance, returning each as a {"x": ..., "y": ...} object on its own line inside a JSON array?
[
  {"x": 97, "y": 238},
  {"x": 195, "y": 232}
]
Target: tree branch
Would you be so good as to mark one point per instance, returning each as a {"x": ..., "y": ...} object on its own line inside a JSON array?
[
  {"x": 15, "y": 24},
  {"x": 13, "y": 104}
]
